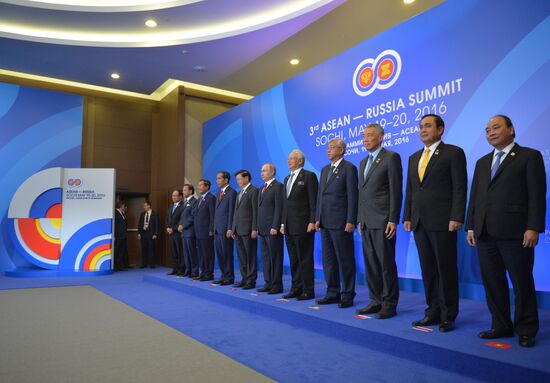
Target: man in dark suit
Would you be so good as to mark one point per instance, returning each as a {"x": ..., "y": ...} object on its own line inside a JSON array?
[
  {"x": 298, "y": 225},
  {"x": 380, "y": 196},
  {"x": 435, "y": 202},
  {"x": 185, "y": 227},
  {"x": 245, "y": 229},
  {"x": 270, "y": 208},
  {"x": 203, "y": 223},
  {"x": 223, "y": 222},
  {"x": 172, "y": 218},
  {"x": 336, "y": 218},
  {"x": 121, "y": 226},
  {"x": 148, "y": 227},
  {"x": 506, "y": 213}
]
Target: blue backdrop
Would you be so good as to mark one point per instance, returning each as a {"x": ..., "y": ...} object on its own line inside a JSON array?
[
  {"x": 465, "y": 60},
  {"x": 38, "y": 129}
]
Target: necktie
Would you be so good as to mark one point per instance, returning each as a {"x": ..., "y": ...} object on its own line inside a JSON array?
[
  {"x": 496, "y": 164},
  {"x": 174, "y": 208},
  {"x": 264, "y": 188},
  {"x": 367, "y": 166},
  {"x": 220, "y": 195},
  {"x": 424, "y": 164},
  {"x": 289, "y": 184},
  {"x": 330, "y": 172},
  {"x": 146, "y": 223},
  {"x": 241, "y": 195},
  {"x": 200, "y": 202}
]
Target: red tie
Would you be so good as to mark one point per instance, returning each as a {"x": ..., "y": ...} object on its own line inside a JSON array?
[
  {"x": 265, "y": 188},
  {"x": 220, "y": 194}
]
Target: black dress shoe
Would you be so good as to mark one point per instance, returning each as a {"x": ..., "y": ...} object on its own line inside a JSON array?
[
  {"x": 249, "y": 287},
  {"x": 426, "y": 321},
  {"x": 526, "y": 341},
  {"x": 264, "y": 289},
  {"x": 142, "y": 267},
  {"x": 196, "y": 277},
  {"x": 495, "y": 334},
  {"x": 205, "y": 279},
  {"x": 173, "y": 272},
  {"x": 240, "y": 284},
  {"x": 291, "y": 294},
  {"x": 225, "y": 283},
  {"x": 446, "y": 326},
  {"x": 218, "y": 282},
  {"x": 305, "y": 297},
  {"x": 275, "y": 291},
  {"x": 370, "y": 309},
  {"x": 383, "y": 314},
  {"x": 345, "y": 303},
  {"x": 152, "y": 267},
  {"x": 328, "y": 301}
]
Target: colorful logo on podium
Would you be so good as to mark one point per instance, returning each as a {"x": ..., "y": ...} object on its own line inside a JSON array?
[
  {"x": 378, "y": 73},
  {"x": 36, "y": 214}
]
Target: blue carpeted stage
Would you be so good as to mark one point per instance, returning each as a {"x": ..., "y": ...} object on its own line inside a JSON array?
[{"x": 296, "y": 341}]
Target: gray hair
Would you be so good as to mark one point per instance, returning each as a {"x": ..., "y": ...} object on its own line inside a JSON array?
[
  {"x": 378, "y": 129},
  {"x": 341, "y": 143},
  {"x": 299, "y": 155}
]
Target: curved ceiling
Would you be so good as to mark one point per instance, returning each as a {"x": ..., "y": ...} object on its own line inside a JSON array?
[{"x": 102, "y": 24}]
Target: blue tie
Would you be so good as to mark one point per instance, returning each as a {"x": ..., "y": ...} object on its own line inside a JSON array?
[
  {"x": 330, "y": 172},
  {"x": 496, "y": 164},
  {"x": 367, "y": 166},
  {"x": 174, "y": 208}
]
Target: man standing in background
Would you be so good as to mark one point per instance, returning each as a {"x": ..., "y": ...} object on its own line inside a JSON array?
[
  {"x": 270, "y": 208},
  {"x": 121, "y": 226},
  {"x": 172, "y": 218},
  {"x": 245, "y": 230},
  {"x": 336, "y": 218},
  {"x": 185, "y": 227},
  {"x": 223, "y": 222},
  {"x": 506, "y": 213},
  {"x": 203, "y": 223},
  {"x": 298, "y": 225},
  {"x": 435, "y": 202},
  {"x": 148, "y": 227},
  {"x": 380, "y": 196}
]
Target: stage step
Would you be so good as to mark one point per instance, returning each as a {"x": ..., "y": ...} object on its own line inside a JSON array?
[{"x": 459, "y": 351}]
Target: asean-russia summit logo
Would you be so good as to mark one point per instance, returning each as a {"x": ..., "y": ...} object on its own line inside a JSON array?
[{"x": 378, "y": 73}]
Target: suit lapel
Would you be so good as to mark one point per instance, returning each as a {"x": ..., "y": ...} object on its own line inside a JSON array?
[
  {"x": 433, "y": 159},
  {"x": 507, "y": 160},
  {"x": 334, "y": 174},
  {"x": 379, "y": 158},
  {"x": 299, "y": 178}
]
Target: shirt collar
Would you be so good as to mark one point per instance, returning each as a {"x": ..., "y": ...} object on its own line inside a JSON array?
[
  {"x": 270, "y": 181},
  {"x": 225, "y": 187},
  {"x": 246, "y": 187},
  {"x": 337, "y": 162},
  {"x": 433, "y": 146},
  {"x": 376, "y": 152},
  {"x": 297, "y": 171},
  {"x": 506, "y": 150}
]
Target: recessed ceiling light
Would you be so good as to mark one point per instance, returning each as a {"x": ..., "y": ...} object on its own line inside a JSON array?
[
  {"x": 294, "y": 62},
  {"x": 200, "y": 68},
  {"x": 408, "y": 1},
  {"x": 151, "y": 23},
  {"x": 115, "y": 75},
  {"x": 184, "y": 52}
]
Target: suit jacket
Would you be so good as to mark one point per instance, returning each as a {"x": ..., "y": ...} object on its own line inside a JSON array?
[
  {"x": 153, "y": 228},
  {"x": 172, "y": 218},
  {"x": 514, "y": 200},
  {"x": 299, "y": 206},
  {"x": 270, "y": 208},
  {"x": 337, "y": 198},
  {"x": 441, "y": 196},
  {"x": 381, "y": 191},
  {"x": 203, "y": 216},
  {"x": 223, "y": 218},
  {"x": 186, "y": 218},
  {"x": 246, "y": 212},
  {"x": 121, "y": 226}
]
